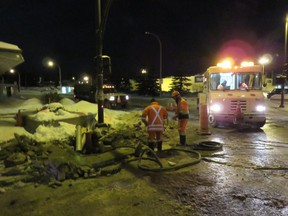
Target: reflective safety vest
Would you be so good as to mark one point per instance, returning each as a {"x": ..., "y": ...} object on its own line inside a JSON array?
[
  {"x": 156, "y": 115},
  {"x": 182, "y": 111}
]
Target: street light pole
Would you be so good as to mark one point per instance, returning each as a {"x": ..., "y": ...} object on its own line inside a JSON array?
[
  {"x": 60, "y": 77},
  {"x": 263, "y": 61},
  {"x": 19, "y": 78},
  {"x": 283, "y": 77},
  {"x": 51, "y": 64},
  {"x": 19, "y": 81},
  {"x": 286, "y": 32},
  {"x": 160, "y": 59}
]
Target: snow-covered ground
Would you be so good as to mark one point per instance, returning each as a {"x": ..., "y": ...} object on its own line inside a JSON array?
[{"x": 66, "y": 108}]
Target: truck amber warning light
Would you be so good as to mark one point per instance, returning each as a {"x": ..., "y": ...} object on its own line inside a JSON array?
[
  {"x": 108, "y": 86},
  {"x": 229, "y": 64}
]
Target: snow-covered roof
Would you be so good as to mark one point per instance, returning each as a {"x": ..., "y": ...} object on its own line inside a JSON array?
[{"x": 10, "y": 56}]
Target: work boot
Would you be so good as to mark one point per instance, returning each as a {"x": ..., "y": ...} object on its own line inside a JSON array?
[
  {"x": 160, "y": 153},
  {"x": 151, "y": 145},
  {"x": 159, "y": 146},
  {"x": 138, "y": 150},
  {"x": 182, "y": 139}
]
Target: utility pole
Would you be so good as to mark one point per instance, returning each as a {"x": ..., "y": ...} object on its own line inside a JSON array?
[
  {"x": 99, "y": 55},
  {"x": 283, "y": 77},
  {"x": 99, "y": 63}
]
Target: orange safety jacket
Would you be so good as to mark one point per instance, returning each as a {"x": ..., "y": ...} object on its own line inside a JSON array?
[
  {"x": 156, "y": 115},
  {"x": 182, "y": 111}
]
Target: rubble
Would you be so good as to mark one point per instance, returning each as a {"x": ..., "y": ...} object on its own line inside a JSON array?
[{"x": 51, "y": 160}]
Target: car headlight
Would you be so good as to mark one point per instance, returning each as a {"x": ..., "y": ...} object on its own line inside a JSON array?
[
  {"x": 127, "y": 97},
  {"x": 260, "y": 108},
  {"x": 111, "y": 98},
  {"x": 215, "y": 108}
]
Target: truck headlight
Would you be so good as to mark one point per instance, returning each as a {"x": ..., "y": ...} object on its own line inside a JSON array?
[
  {"x": 111, "y": 98},
  {"x": 260, "y": 108},
  {"x": 127, "y": 97},
  {"x": 215, "y": 107}
]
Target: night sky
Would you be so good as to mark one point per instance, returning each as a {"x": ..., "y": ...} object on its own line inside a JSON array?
[{"x": 194, "y": 34}]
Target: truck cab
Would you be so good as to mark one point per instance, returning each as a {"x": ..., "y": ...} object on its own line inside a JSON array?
[{"x": 234, "y": 95}]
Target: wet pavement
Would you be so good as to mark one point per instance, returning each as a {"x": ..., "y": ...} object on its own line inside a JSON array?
[{"x": 247, "y": 176}]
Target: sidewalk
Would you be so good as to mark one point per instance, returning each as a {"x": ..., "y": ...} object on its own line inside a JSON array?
[{"x": 275, "y": 105}]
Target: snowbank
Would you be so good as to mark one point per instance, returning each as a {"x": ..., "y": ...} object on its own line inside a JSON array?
[{"x": 66, "y": 108}]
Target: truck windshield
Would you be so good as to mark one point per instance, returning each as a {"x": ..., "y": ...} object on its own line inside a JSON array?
[{"x": 235, "y": 81}]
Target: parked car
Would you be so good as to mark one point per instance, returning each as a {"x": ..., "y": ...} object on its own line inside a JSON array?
[{"x": 276, "y": 91}]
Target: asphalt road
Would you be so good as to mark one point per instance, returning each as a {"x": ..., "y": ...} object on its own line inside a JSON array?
[{"x": 247, "y": 176}]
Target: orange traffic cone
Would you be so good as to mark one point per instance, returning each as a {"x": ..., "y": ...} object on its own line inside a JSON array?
[
  {"x": 170, "y": 107},
  {"x": 19, "y": 119},
  {"x": 204, "y": 124},
  {"x": 175, "y": 107}
]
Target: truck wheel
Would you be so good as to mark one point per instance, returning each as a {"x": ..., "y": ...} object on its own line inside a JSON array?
[
  {"x": 212, "y": 121},
  {"x": 107, "y": 104},
  {"x": 124, "y": 106},
  {"x": 260, "y": 124}
]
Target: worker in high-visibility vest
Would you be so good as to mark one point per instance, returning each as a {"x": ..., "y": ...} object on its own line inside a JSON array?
[
  {"x": 153, "y": 117},
  {"x": 182, "y": 114}
]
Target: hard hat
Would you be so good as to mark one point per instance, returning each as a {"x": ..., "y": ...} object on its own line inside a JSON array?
[{"x": 175, "y": 94}]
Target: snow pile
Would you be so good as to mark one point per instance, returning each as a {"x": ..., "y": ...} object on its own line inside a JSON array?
[
  {"x": 54, "y": 113},
  {"x": 66, "y": 108},
  {"x": 51, "y": 133},
  {"x": 50, "y": 115},
  {"x": 66, "y": 101},
  {"x": 32, "y": 103},
  {"x": 12, "y": 107},
  {"x": 82, "y": 106}
]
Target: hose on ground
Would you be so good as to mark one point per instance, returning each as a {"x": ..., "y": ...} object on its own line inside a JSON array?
[
  {"x": 152, "y": 156},
  {"x": 207, "y": 146},
  {"x": 161, "y": 167}
]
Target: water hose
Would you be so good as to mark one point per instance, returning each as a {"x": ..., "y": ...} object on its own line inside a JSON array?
[
  {"x": 158, "y": 161},
  {"x": 207, "y": 146}
]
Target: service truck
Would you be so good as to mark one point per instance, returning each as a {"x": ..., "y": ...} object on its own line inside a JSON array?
[
  {"x": 112, "y": 98},
  {"x": 240, "y": 101}
]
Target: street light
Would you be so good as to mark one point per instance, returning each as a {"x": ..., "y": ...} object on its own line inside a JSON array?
[
  {"x": 143, "y": 71},
  {"x": 19, "y": 78},
  {"x": 51, "y": 64},
  {"x": 263, "y": 61},
  {"x": 160, "y": 58},
  {"x": 86, "y": 79}
]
